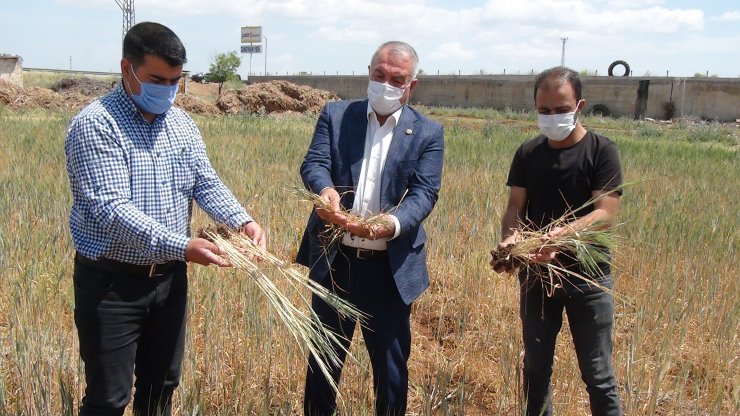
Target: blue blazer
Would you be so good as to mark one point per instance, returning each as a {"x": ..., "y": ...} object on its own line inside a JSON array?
[{"x": 413, "y": 164}]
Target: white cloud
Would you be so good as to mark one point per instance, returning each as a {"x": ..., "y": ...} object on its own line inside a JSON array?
[
  {"x": 339, "y": 35},
  {"x": 732, "y": 16},
  {"x": 643, "y": 21},
  {"x": 451, "y": 51},
  {"x": 632, "y": 4},
  {"x": 347, "y": 34}
]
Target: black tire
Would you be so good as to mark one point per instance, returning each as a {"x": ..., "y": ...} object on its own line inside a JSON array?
[
  {"x": 599, "y": 110},
  {"x": 623, "y": 63}
]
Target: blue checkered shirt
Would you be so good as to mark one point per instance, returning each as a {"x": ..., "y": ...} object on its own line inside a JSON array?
[{"x": 133, "y": 183}]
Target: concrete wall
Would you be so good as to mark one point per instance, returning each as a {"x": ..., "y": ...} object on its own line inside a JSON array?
[
  {"x": 11, "y": 69},
  {"x": 709, "y": 98}
]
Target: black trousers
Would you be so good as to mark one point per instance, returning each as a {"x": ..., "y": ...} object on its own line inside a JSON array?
[
  {"x": 130, "y": 325},
  {"x": 590, "y": 313},
  {"x": 369, "y": 285}
]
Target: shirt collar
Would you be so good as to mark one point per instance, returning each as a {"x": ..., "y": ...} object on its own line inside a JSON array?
[{"x": 395, "y": 116}]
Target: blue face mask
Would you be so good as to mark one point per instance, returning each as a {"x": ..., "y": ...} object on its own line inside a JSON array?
[{"x": 154, "y": 98}]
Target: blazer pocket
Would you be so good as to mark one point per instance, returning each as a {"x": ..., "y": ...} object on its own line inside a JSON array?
[{"x": 421, "y": 238}]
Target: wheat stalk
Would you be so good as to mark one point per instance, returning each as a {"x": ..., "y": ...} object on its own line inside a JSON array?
[
  {"x": 333, "y": 232},
  {"x": 303, "y": 324},
  {"x": 588, "y": 246}
]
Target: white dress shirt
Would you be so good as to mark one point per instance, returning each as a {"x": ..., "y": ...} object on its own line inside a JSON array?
[{"x": 367, "y": 195}]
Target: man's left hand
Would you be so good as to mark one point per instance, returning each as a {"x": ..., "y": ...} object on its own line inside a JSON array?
[
  {"x": 544, "y": 255},
  {"x": 255, "y": 232},
  {"x": 548, "y": 252},
  {"x": 386, "y": 228}
]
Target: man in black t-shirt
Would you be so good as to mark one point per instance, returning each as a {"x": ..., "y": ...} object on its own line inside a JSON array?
[{"x": 550, "y": 176}]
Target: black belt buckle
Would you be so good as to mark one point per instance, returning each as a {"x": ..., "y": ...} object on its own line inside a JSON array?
[
  {"x": 164, "y": 268},
  {"x": 359, "y": 253},
  {"x": 152, "y": 270}
]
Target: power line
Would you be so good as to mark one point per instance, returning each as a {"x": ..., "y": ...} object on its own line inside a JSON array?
[{"x": 129, "y": 18}]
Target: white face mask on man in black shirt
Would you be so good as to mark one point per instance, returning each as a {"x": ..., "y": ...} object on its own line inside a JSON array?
[{"x": 557, "y": 127}]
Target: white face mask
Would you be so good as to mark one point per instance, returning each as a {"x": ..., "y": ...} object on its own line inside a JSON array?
[
  {"x": 557, "y": 127},
  {"x": 384, "y": 98}
]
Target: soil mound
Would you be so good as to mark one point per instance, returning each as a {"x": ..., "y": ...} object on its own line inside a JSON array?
[
  {"x": 84, "y": 86},
  {"x": 269, "y": 97},
  {"x": 26, "y": 98},
  {"x": 195, "y": 105},
  {"x": 274, "y": 96},
  {"x": 9, "y": 92}
]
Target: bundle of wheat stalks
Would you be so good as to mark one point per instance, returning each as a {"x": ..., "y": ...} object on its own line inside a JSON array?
[
  {"x": 333, "y": 232},
  {"x": 589, "y": 246},
  {"x": 301, "y": 322}
]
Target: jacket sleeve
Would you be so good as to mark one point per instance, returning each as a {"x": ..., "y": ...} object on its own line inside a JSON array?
[{"x": 316, "y": 166}]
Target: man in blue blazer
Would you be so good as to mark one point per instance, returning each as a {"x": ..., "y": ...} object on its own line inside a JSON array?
[{"x": 373, "y": 156}]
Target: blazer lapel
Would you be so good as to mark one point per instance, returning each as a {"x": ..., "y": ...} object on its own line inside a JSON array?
[
  {"x": 403, "y": 136},
  {"x": 355, "y": 145}
]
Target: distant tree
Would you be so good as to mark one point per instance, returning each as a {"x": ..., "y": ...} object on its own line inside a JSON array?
[
  {"x": 699, "y": 75},
  {"x": 223, "y": 68}
]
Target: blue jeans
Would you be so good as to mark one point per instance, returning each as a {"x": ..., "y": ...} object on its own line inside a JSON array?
[
  {"x": 590, "y": 313},
  {"x": 130, "y": 325}
]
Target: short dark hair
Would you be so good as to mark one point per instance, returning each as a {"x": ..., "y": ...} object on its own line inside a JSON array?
[
  {"x": 560, "y": 75},
  {"x": 149, "y": 38}
]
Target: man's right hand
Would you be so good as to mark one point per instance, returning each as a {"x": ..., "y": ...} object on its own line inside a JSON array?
[
  {"x": 204, "y": 252},
  {"x": 335, "y": 216},
  {"x": 503, "y": 265}
]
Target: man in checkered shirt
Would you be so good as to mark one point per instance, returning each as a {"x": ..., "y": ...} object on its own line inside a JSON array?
[{"x": 135, "y": 166}]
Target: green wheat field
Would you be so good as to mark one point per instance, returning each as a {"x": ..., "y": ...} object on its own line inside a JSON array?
[{"x": 677, "y": 336}]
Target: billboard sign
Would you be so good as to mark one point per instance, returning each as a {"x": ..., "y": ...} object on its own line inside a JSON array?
[
  {"x": 251, "y": 48},
  {"x": 251, "y": 34}
]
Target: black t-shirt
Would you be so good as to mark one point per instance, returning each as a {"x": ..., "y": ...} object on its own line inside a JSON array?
[{"x": 561, "y": 180}]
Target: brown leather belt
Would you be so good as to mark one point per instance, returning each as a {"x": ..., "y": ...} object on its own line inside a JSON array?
[
  {"x": 363, "y": 253},
  {"x": 134, "y": 270}
]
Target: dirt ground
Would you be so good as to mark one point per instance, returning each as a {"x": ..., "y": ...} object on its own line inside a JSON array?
[{"x": 203, "y": 99}]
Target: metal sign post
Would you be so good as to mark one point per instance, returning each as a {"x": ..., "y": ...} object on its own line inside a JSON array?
[
  {"x": 251, "y": 49},
  {"x": 252, "y": 35}
]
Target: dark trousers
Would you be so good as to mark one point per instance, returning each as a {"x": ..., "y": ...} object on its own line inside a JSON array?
[
  {"x": 591, "y": 318},
  {"x": 130, "y": 325},
  {"x": 369, "y": 285}
]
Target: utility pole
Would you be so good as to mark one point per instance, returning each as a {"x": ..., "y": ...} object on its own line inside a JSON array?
[
  {"x": 129, "y": 18},
  {"x": 265, "y": 54},
  {"x": 562, "y": 55}
]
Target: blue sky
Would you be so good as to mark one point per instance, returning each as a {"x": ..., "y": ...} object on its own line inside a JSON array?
[{"x": 339, "y": 36}]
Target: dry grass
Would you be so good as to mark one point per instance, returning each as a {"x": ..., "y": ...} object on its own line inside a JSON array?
[
  {"x": 589, "y": 246},
  {"x": 298, "y": 319},
  {"x": 677, "y": 348}
]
